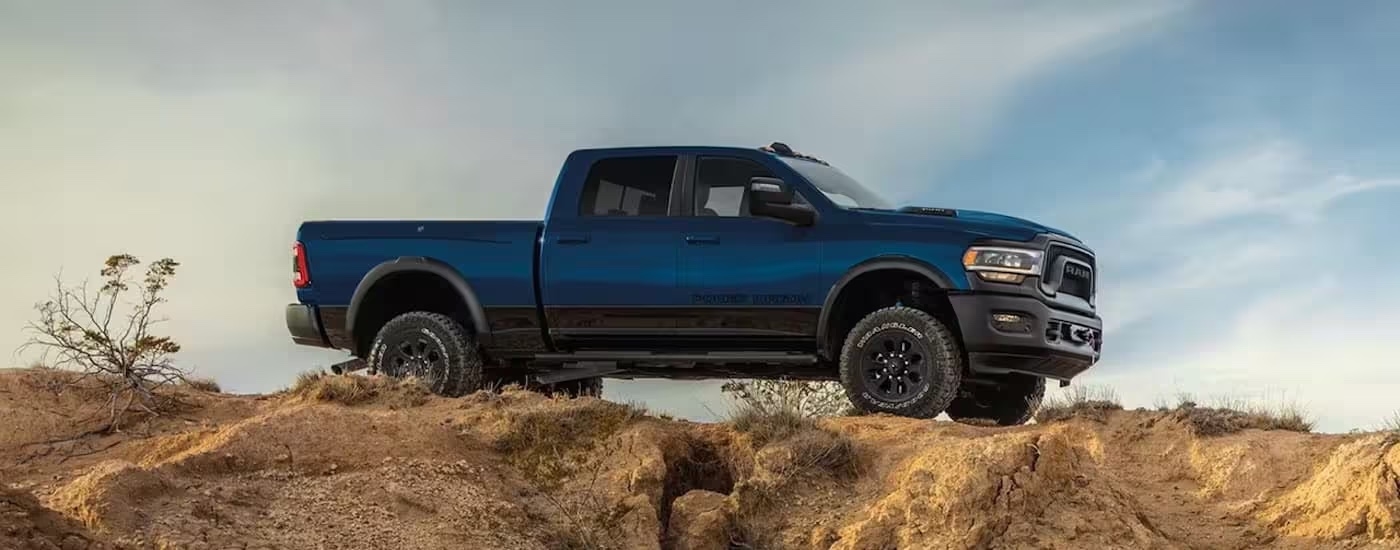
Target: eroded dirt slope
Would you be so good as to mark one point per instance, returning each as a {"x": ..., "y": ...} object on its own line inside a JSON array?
[{"x": 397, "y": 468}]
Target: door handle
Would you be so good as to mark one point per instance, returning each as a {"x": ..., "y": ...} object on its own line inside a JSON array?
[
  {"x": 572, "y": 238},
  {"x": 701, "y": 239}
]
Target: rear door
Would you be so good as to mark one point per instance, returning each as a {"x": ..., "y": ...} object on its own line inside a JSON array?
[
  {"x": 750, "y": 282},
  {"x": 608, "y": 271}
]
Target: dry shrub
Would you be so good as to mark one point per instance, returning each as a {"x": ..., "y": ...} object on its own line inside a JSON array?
[
  {"x": 800, "y": 397},
  {"x": 108, "y": 334},
  {"x": 1392, "y": 424},
  {"x": 1087, "y": 401},
  {"x": 1233, "y": 415},
  {"x": 204, "y": 384},
  {"x": 349, "y": 389}
]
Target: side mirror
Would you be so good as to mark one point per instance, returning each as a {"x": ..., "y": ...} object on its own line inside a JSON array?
[
  {"x": 769, "y": 191},
  {"x": 772, "y": 197}
]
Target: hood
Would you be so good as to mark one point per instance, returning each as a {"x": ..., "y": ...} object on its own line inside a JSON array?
[{"x": 989, "y": 223}]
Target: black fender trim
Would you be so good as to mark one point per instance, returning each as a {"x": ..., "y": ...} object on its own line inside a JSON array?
[
  {"x": 419, "y": 264},
  {"x": 905, "y": 263}
]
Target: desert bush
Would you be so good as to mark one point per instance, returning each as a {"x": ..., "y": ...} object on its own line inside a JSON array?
[
  {"x": 1392, "y": 424},
  {"x": 1085, "y": 401},
  {"x": 1230, "y": 415},
  {"x": 107, "y": 335},
  {"x": 799, "y": 397},
  {"x": 204, "y": 384}
]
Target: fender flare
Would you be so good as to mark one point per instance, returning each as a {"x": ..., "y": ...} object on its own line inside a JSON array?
[
  {"x": 409, "y": 264},
  {"x": 881, "y": 263}
]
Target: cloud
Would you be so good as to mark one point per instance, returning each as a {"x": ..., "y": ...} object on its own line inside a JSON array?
[
  {"x": 1234, "y": 278},
  {"x": 1236, "y": 219},
  {"x": 208, "y": 131},
  {"x": 1270, "y": 179}
]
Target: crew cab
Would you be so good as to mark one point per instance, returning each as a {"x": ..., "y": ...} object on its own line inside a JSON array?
[{"x": 705, "y": 262}]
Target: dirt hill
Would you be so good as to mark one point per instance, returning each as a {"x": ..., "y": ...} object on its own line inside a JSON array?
[{"x": 358, "y": 463}]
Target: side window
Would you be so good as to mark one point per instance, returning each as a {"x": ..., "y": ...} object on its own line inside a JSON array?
[
  {"x": 628, "y": 186},
  {"x": 721, "y": 185}
]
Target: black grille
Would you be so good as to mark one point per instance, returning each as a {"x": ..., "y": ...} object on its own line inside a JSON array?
[
  {"x": 1059, "y": 250},
  {"x": 1075, "y": 280},
  {"x": 1074, "y": 283}
]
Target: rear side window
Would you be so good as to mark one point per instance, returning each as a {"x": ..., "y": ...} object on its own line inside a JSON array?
[{"x": 629, "y": 186}]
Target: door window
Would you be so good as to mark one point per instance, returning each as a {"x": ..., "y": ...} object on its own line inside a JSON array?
[
  {"x": 629, "y": 186},
  {"x": 721, "y": 185}
]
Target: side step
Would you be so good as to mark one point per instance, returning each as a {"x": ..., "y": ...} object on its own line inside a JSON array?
[
  {"x": 714, "y": 357},
  {"x": 578, "y": 371}
]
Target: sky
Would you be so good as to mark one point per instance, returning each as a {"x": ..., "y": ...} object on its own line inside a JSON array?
[{"x": 1231, "y": 163}]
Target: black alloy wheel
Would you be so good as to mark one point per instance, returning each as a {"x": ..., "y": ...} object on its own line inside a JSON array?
[{"x": 897, "y": 366}]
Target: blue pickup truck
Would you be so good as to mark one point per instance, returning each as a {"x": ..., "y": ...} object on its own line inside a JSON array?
[{"x": 712, "y": 262}]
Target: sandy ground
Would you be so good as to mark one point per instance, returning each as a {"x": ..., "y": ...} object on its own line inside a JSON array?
[{"x": 399, "y": 469}]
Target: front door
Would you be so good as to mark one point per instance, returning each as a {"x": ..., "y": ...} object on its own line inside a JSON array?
[{"x": 750, "y": 283}]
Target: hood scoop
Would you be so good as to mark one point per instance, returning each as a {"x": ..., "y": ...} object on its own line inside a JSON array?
[{"x": 929, "y": 211}]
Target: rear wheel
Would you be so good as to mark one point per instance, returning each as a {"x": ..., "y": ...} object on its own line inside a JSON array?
[
  {"x": 432, "y": 347},
  {"x": 902, "y": 361},
  {"x": 1010, "y": 402}
]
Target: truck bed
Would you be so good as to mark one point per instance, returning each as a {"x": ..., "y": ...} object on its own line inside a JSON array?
[{"x": 499, "y": 254}]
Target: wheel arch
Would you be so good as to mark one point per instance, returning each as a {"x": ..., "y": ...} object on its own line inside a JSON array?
[
  {"x": 834, "y": 295},
  {"x": 365, "y": 292}
]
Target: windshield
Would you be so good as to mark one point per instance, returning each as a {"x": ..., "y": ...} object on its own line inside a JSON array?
[{"x": 836, "y": 185}]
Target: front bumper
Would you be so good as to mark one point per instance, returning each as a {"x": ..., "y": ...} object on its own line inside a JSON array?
[
  {"x": 1049, "y": 342},
  {"x": 305, "y": 325}
]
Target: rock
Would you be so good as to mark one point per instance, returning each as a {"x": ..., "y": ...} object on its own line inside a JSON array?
[{"x": 700, "y": 520}]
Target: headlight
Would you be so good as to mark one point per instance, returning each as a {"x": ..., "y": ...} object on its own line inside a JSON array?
[{"x": 1003, "y": 265}]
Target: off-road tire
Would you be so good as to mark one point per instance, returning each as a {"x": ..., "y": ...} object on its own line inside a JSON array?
[
  {"x": 933, "y": 349},
  {"x": 432, "y": 346},
  {"x": 1011, "y": 403}
]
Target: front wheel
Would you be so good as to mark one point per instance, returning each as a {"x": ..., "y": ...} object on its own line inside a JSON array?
[
  {"x": 431, "y": 347},
  {"x": 902, "y": 361}
]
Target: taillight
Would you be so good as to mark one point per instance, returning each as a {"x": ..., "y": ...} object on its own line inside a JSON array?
[{"x": 300, "y": 275}]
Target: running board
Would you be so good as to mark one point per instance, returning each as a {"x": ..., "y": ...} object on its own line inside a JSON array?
[
  {"x": 717, "y": 357},
  {"x": 578, "y": 371}
]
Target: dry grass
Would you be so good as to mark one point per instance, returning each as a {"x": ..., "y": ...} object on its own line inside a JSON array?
[
  {"x": 1087, "y": 401},
  {"x": 349, "y": 389},
  {"x": 1230, "y": 415},
  {"x": 549, "y": 445}
]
